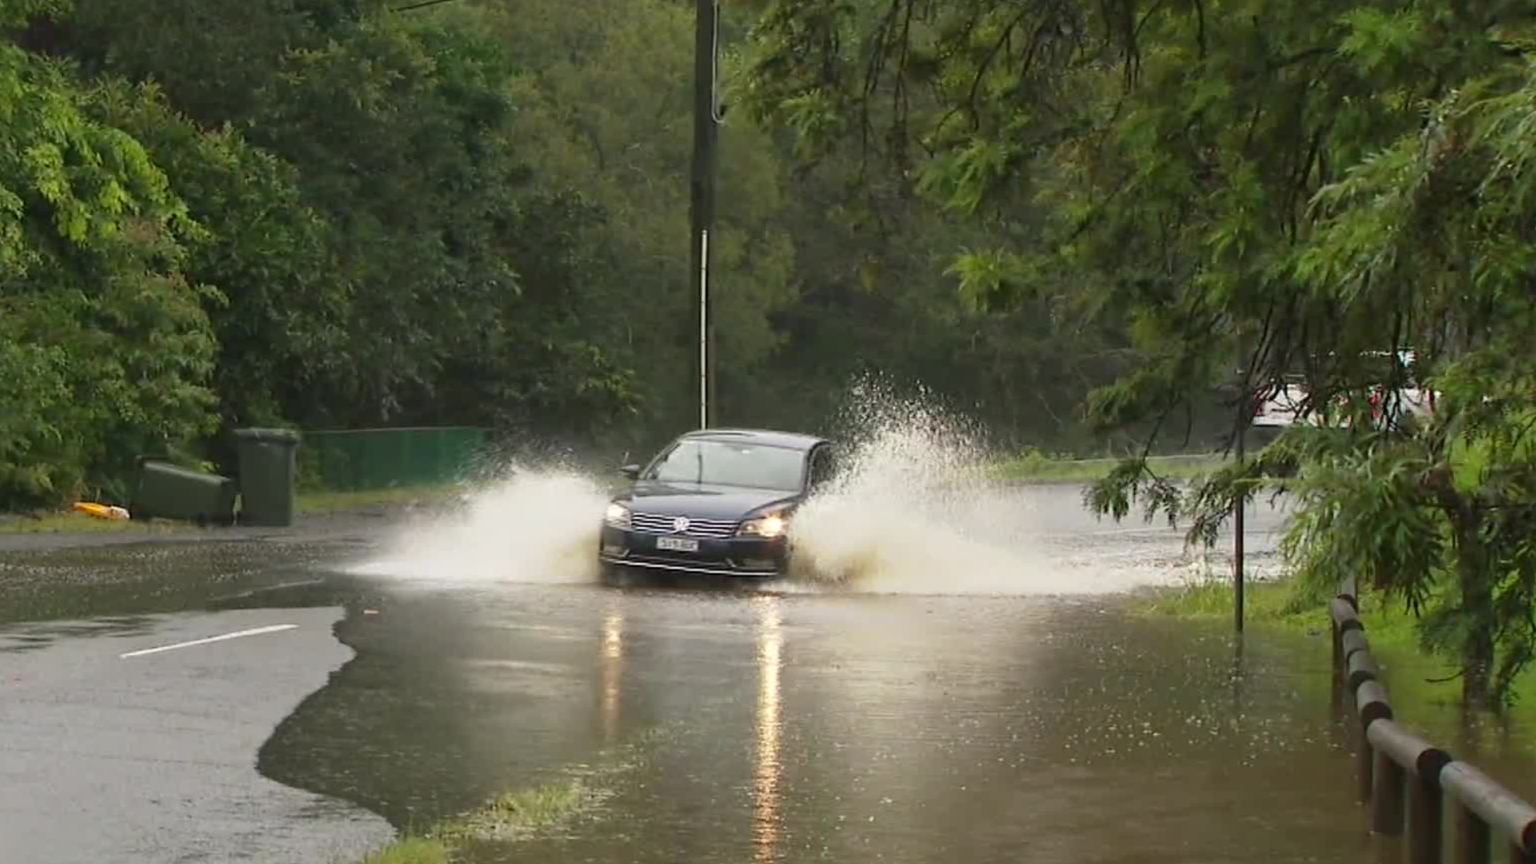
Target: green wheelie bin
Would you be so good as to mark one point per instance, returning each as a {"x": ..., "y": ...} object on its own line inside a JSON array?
[
  {"x": 268, "y": 461},
  {"x": 168, "y": 491}
]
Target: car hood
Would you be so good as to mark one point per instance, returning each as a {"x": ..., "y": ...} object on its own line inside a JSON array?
[{"x": 701, "y": 501}]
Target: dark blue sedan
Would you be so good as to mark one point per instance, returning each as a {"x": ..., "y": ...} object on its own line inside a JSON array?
[{"x": 716, "y": 501}]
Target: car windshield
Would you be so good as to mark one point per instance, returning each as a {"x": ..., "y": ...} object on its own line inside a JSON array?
[{"x": 724, "y": 463}]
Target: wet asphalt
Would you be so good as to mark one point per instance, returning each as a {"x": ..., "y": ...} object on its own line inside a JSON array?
[
  {"x": 703, "y": 723},
  {"x": 149, "y": 757}
]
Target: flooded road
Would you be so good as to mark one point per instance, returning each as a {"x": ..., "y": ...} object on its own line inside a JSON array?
[
  {"x": 787, "y": 722},
  {"x": 806, "y": 727}
]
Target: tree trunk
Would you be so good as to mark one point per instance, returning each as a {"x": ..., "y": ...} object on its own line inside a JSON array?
[
  {"x": 1476, "y": 589},
  {"x": 1477, "y": 604}
]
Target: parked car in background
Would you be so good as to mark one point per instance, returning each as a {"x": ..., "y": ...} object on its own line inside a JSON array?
[{"x": 1283, "y": 407}]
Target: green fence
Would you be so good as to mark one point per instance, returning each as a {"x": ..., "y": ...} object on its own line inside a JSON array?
[{"x": 355, "y": 459}]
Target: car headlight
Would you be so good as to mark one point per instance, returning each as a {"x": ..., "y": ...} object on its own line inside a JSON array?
[
  {"x": 617, "y": 515},
  {"x": 767, "y": 527}
]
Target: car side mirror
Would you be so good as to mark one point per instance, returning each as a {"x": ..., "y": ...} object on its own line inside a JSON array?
[{"x": 631, "y": 471}]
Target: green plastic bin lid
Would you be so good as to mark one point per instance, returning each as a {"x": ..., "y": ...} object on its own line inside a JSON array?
[
  {"x": 151, "y": 465},
  {"x": 268, "y": 436}
]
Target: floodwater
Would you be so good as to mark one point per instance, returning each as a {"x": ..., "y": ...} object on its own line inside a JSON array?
[
  {"x": 809, "y": 727},
  {"x": 1023, "y": 716}
]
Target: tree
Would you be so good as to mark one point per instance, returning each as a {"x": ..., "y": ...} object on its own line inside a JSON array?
[
  {"x": 325, "y": 204},
  {"x": 815, "y": 284},
  {"x": 606, "y": 109},
  {"x": 1448, "y": 519},
  {"x": 280, "y": 310},
  {"x": 363, "y": 178},
  {"x": 1252, "y": 188},
  {"x": 102, "y": 337}
]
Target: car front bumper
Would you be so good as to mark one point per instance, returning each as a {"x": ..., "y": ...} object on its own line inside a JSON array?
[{"x": 734, "y": 556}]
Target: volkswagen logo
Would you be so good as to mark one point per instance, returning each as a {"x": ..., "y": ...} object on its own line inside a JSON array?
[{"x": 680, "y": 525}]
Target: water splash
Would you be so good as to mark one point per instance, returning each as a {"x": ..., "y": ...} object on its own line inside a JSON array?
[
  {"x": 533, "y": 525},
  {"x": 911, "y": 510}
]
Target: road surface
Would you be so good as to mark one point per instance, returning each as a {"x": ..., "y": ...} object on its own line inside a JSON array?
[{"x": 797, "y": 723}]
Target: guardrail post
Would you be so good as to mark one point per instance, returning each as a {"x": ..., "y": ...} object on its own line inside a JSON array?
[
  {"x": 1365, "y": 760},
  {"x": 1371, "y": 705},
  {"x": 1387, "y": 797},
  {"x": 1336, "y": 696},
  {"x": 1473, "y": 844},
  {"x": 1387, "y": 754},
  {"x": 1425, "y": 818},
  {"x": 1483, "y": 807},
  {"x": 1341, "y": 620},
  {"x": 1413, "y": 762}
]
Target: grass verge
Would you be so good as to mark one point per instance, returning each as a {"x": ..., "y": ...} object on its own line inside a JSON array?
[
  {"x": 71, "y": 522},
  {"x": 331, "y": 502},
  {"x": 1273, "y": 604},
  {"x": 1039, "y": 467}
]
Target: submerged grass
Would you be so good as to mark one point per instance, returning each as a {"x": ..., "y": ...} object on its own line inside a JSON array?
[
  {"x": 1390, "y": 627},
  {"x": 410, "y": 850},
  {"x": 519, "y": 815},
  {"x": 508, "y": 817}
]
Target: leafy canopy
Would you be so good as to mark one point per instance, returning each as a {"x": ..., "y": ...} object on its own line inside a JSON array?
[{"x": 1263, "y": 194}]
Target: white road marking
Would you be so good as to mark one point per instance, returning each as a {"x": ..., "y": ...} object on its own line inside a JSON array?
[{"x": 253, "y": 632}]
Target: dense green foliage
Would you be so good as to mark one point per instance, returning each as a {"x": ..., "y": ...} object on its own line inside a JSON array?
[
  {"x": 328, "y": 213},
  {"x": 104, "y": 343},
  {"x": 1262, "y": 193},
  {"x": 301, "y": 213}
]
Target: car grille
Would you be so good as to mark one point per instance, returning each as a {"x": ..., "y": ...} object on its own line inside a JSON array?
[{"x": 652, "y": 523}]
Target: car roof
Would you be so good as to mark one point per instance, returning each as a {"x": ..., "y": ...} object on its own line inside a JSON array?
[{"x": 768, "y": 437}]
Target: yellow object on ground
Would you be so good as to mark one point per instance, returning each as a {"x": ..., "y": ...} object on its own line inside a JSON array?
[{"x": 100, "y": 511}]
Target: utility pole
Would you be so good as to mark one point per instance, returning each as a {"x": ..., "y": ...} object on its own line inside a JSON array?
[
  {"x": 1245, "y": 413},
  {"x": 1237, "y": 538},
  {"x": 706, "y": 123}
]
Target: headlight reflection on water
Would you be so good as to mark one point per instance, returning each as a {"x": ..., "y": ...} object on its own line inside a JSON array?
[
  {"x": 613, "y": 673},
  {"x": 766, "y": 767}
]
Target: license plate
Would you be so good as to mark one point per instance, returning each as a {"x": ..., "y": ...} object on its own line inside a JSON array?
[{"x": 677, "y": 544}]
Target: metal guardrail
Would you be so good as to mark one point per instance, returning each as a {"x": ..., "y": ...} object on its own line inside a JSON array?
[{"x": 1395, "y": 766}]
